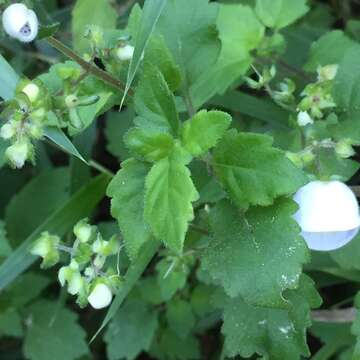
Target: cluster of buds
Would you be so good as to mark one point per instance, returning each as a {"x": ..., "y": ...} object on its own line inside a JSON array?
[
  {"x": 26, "y": 115},
  {"x": 84, "y": 275},
  {"x": 263, "y": 79},
  {"x": 317, "y": 97},
  {"x": 20, "y": 23}
]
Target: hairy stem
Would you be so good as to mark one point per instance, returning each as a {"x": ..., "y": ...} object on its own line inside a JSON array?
[{"x": 88, "y": 67}]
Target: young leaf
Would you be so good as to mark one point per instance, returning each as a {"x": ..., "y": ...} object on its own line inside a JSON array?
[
  {"x": 149, "y": 144},
  {"x": 151, "y": 12},
  {"x": 90, "y": 12},
  {"x": 246, "y": 249},
  {"x": 254, "y": 172},
  {"x": 195, "y": 48},
  {"x": 132, "y": 317},
  {"x": 203, "y": 131},
  {"x": 153, "y": 98},
  {"x": 169, "y": 195},
  {"x": 58, "y": 137},
  {"x": 278, "y": 14},
  {"x": 9, "y": 79},
  {"x": 272, "y": 333},
  {"x": 79, "y": 206},
  {"x": 43, "y": 334},
  {"x": 127, "y": 190}
]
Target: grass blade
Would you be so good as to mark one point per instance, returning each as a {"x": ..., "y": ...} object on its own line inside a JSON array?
[{"x": 8, "y": 79}]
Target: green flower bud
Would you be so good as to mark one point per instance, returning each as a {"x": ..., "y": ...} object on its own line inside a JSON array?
[
  {"x": 31, "y": 91},
  {"x": 106, "y": 248},
  {"x": 7, "y": 131},
  {"x": 84, "y": 231},
  {"x": 295, "y": 158},
  {"x": 38, "y": 114},
  {"x": 46, "y": 248},
  {"x": 328, "y": 72},
  {"x": 19, "y": 152},
  {"x": 71, "y": 101},
  {"x": 83, "y": 253},
  {"x": 307, "y": 156},
  {"x": 344, "y": 148},
  {"x": 71, "y": 275}
]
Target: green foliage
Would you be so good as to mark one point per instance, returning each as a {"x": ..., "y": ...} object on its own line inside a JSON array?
[
  {"x": 252, "y": 171},
  {"x": 240, "y": 253},
  {"x": 122, "y": 336},
  {"x": 49, "y": 324}
]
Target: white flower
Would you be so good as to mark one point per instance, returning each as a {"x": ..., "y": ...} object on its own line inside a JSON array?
[
  {"x": 328, "y": 214},
  {"x": 7, "y": 131},
  {"x": 18, "y": 153},
  {"x": 304, "y": 119},
  {"x": 327, "y": 72},
  {"x": 100, "y": 297},
  {"x": 31, "y": 91},
  {"x": 125, "y": 53},
  {"x": 20, "y": 22}
]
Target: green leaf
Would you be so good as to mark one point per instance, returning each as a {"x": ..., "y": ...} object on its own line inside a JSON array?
[
  {"x": 90, "y": 12},
  {"x": 48, "y": 30},
  {"x": 117, "y": 124},
  {"x": 169, "y": 195},
  {"x": 46, "y": 193},
  {"x": 271, "y": 333},
  {"x": 180, "y": 317},
  {"x": 170, "y": 282},
  {"x": 50, "y": 337},
  {"x": 9, "y": 79},
  {"x": 345, "y": 255},
  {"x": 58, "y": 137},
  {"x": 80, "y": 205},
  {"x": 11, "y": 323},
  {"x": 329, "y": 49},
  {"x": 195, "y": 48},
  {"x": 153, "y": 98},
  {"x": 5, "y": 248},
  {"x": 158, "y": 54},
  {"x": 149, "y": 144},
  {"x": 278, "y": 14},
  {"x": 127, "y": 190},
  {"x": 132, "y": 275},
  {"x": 246, "y": 249},
  {"x": 252, "y": 171},
  {"x": 255, "y": 107},
  {"x": 150, "y": 16},
  {"x": 202, "y": 132},
  {"x": 132, "y": 317}
]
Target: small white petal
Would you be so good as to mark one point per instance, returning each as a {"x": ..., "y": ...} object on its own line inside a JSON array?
[
  {"x": 328, "y": 214},
  {"x": 304, "y": 119},
  {"x": 18, "y": 153},
  {"x": 100, "y": 297},
  {"x": 125, "y": 53},
  {"x": 31, "y": 91},
  {"x": 7, "y": 131}
]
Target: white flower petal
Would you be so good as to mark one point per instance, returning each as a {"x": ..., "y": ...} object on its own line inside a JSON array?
[{"x": 100, "y": 297}]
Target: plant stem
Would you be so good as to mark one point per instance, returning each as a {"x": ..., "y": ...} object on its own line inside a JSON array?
[
  {"x": 335, "y": 316},
  {"x": 88, "y": 67},
  {"x": 95, "y": 165}
]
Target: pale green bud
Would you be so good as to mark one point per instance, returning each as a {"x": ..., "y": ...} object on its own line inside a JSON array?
[
  {"x": 31, "y": 91},
  {"x": 7, "y": 131},
  {"x": 18, "y": 153},
  {"x": 84, "y": 231},
  {"x": 307, "y": 156},
  {"x": 304, "y": 119},
  {"x": 99, "y": 261},
  {"x": 125, "y": 53},
  {"x": 46, "y": 248},
  {"x": 71, "y": 101},
  {"x": 344, "y": 148},
  {"x": 71, "y": 275},
  {"x": 328, "y": 72}
]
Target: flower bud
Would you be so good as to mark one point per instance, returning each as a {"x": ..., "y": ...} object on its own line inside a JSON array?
[
  {"x": 84, "y": 231},
  {"x": 100, "y": 297},
  {"x": 31, "y": 91},
  {"x": 304, "y": 119},
  {"x": 72, "y": 276},
  {"x": 125, "y": 53},
  {"x": 46, "y": 248},
  {"x": 328, "y": 214},
  {"x": 328, "y": 72},
  {"x": 20, "y": 23},
  {"x": 18, "y": 153},
  {"x": 71, "y": 101},
  {"x": 344, "y": 148},
  {"x": 7, "y": 131}
]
